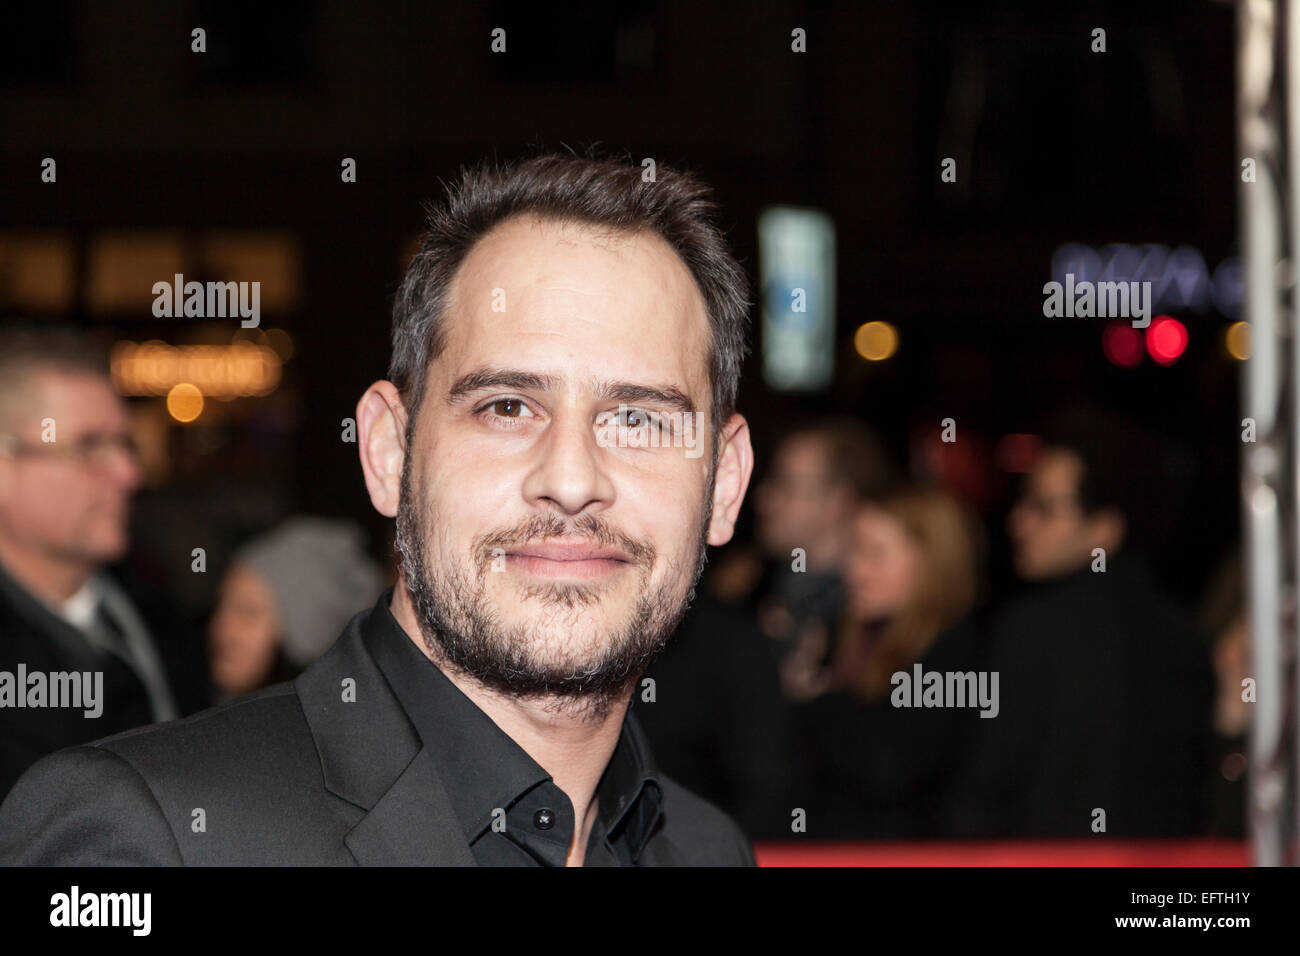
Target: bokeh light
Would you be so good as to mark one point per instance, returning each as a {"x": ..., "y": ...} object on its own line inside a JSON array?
[
  {"x": 184, "y": 402},
  {"x": 1122, "y": 344},
  {"x": 1166, "y": 339},
  {"x": 1236, "y": 339},
  {"x": 876, "y": 341}
]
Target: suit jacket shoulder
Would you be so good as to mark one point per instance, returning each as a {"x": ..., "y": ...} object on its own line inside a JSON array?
[
  {"x": 325, "y": 770},
  {"x": 232, "y": 785},
  {"x": 84, "y": 806}
]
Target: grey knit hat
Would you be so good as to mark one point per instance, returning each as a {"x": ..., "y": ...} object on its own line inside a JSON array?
[{"x": 321, "y": 576}]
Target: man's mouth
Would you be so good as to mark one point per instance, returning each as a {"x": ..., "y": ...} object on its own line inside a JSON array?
[{"x": 558, "y": 559}]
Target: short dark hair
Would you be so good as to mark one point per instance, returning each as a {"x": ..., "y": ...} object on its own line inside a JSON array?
[
  {"x": 603, "y": 192},
  {"x": 27, "y": 347},
  {"x": 1125, "y": 468}
]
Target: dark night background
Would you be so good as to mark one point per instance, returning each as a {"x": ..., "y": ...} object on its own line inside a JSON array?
[{"x": 1054, "y": 144}]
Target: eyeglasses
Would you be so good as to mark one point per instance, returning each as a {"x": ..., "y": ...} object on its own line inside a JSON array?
[{"x": 96, "y": 449}]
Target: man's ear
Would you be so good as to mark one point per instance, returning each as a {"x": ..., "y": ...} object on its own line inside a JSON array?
[
  {"x": 735, "y": 466},
  {"x": 381, "y": 434}
]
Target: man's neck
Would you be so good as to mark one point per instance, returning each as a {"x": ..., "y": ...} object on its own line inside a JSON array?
[
  {"x": 49, "y": 580},
  {"x": 572, "y": 748}
]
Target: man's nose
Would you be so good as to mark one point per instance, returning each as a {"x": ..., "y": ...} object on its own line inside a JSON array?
[
  {"x": 570, "y": 472},
  {"x": 125, "y": 470}
]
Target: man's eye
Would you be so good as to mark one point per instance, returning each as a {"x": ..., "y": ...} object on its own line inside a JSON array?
[
  {"x": 507, "y": 408},
  {"x": 639, "y": 418}
]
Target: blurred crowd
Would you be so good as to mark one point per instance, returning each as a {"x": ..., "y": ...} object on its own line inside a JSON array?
[
  {"x": 1115, "y": 710},
  {"x": 796, "y": 695}
]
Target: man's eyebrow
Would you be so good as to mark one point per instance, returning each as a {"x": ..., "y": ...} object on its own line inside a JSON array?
[
  {"x": 630, "y": 393},
  {"x": 482, "y": 378},
  {"x": 668, "y": 396}
]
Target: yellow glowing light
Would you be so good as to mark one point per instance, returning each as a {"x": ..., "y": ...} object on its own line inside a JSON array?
[
  {"x": 238, "y": 370},
  {"x": 876, "y": 341},
  {"x": 1237, "y": 340},
  {"x": 185, "y": 402}
]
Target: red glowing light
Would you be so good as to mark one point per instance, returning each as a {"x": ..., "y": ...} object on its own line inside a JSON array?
[
  {"x": 1166, "y": 339},
  {"x": 1122, "y": 344}
]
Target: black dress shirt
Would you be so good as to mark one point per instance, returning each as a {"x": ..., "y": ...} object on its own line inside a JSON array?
[{"x": 512, "y": 811}]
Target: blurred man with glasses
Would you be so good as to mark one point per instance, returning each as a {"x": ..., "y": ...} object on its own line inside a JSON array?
[{"x": 68, "y": 470}]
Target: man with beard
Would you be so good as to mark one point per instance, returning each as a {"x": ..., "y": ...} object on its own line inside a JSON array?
[{"x": 552, "y": 520}]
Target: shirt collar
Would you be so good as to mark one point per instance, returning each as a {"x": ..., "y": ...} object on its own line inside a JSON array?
[
  {"x": 483, "y": 768},
  {"x": 80, "y": 609},
  {"x": 631, "y": 797}
]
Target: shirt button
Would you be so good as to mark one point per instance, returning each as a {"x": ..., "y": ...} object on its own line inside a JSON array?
[{"x": 544, "y": 819}]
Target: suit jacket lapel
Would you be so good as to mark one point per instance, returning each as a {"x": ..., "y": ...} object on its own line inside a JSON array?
[
  {"x": 412, "y": 824},
  {"x": 372, "y": 757}
]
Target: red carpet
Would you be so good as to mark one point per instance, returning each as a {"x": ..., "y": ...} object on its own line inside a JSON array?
[{"x": 1065, "y": 853}]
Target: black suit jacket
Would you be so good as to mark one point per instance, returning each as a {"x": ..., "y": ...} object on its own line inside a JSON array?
[
  {"x": 1107, "y": 695},
  {"x": 34, "y": 636},
  {"x": 291, "y": 775}
]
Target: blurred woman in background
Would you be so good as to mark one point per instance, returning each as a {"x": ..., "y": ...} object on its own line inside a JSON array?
[
  {"x": 873, "y": 770},
  {"x": 285, "y": 599}
]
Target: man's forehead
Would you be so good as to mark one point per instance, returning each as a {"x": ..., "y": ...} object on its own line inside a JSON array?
[
  {"x": 573, "y": 316},
  {"x": 72, "y": 399},
  {"x": 539, "y": 243},
  {"x": 561, "y": 272}
]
